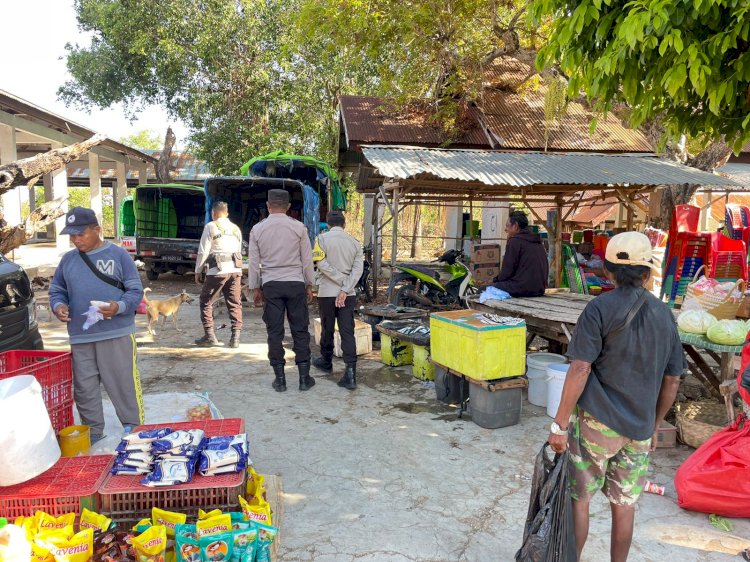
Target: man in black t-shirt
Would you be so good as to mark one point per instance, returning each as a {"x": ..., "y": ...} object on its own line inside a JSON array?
[{"x": 626, "y": 363}]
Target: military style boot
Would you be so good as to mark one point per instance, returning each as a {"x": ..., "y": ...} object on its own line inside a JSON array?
[
  {"x": 279, "y": 383},
  {"x": 323, "y": 364},
  {"x": 306, "y": 382},
  {"x": 234, "y": 341},
  {"x": 208, "y": 340},
  {"x": 349, "y": 380}
]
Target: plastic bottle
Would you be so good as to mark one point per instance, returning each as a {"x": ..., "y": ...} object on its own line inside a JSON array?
[{"x": 14, "y": 547}]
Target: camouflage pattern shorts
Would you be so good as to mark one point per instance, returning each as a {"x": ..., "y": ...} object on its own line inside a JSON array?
[{"x": 602, "y": 459}]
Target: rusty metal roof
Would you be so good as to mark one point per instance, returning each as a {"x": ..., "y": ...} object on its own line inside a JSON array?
[
  {"x": 372, "y": 120},
  {"x": 588, "y": 213},
  {"x": 526, "y": 169}
]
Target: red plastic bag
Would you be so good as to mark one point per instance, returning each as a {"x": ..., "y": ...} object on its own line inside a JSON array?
[
  {"x": 142, "y": 308},
  {"x": 716, "y": 477},
  {"x": 743, "y": 373}
]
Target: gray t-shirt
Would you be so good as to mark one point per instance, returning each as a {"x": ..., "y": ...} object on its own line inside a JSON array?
[{"x": 627, "y": 369}]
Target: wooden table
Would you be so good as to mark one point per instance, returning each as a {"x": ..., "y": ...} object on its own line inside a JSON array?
[{"x": 552, "y": 316}]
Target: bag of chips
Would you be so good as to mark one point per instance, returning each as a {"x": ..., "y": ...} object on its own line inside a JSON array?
[
  {"x": 217, "y": 548},
  {"x": 255, "y": 484},
  {"x": 245, "y": 535},
  {"x": 178, "y": 442},
  {"x": 40, "y": 552},
  {"x": 257, "y": 510},
  {"x": 167, "y": 518},
  {"x": 147, "y": 436},
  {"x": 78, "y": 548},
  {"x": 151, "y": 545},
  {"x": 142, "y": 525},
  {"x": 187, "y": 547},
  {"x": 266, "y": 537},
  {"x": 214, "y": 525},
  {"x": 46, "y": 521},
  {"x": 113, "y": 546},
  {"x": 207, "y": 515},
  {"x": 169, "y": 473},
  {"x": 95, "y": 521}
]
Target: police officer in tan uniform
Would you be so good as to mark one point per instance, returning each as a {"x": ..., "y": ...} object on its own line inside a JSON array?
[
  {"x": 281, "y": 276},
  {"x": 338, "y": 257},
  {"x": 219, "y": 251}
]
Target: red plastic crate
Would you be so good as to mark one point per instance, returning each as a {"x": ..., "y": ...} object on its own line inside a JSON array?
[
  {"x": 126, "y": 500},
  {"x": 69, "y": 486},
  {"x": 53, "y": 370}
]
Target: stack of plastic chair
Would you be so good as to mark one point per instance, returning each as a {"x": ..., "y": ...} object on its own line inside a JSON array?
[
  {"x": 573, "y": 277},
  {"x": 737, "y": 222},
  {"x": 600, "y": 244},
  {"x": 687, "y": 250},
  {"x": 728, "y": 258}
]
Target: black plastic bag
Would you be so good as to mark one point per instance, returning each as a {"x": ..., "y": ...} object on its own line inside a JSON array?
[{"x": 548, "y": 534}]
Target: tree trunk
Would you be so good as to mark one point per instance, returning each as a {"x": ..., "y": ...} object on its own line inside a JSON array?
[
  {"x": 417, "y": 229},
  {"x": 163, "y": 174},
  {"x": 12, "y": 237},
  {"x": 713, "y": 156},
  {"x": 28, "y": 170}
]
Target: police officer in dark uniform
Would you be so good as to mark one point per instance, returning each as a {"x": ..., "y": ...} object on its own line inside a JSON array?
[{"x": 281, "y": 276}]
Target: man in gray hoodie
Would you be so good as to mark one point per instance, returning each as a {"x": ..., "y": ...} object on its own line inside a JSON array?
[{"x": 104, "y": 352}]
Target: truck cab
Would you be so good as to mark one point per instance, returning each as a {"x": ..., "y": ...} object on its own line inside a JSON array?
[
  {"x": 18, "y": 325},
  {"x": 169, "y": 220}
]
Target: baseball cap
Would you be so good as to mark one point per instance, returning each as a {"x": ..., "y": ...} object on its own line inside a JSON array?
[
  {"x": 278, "y": 196},
  {"x": 630, "y": 248},
  {"x": 78, "y": 219}
]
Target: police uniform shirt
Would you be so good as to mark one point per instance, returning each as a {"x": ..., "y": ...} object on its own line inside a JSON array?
[
  {"x": 279, "y": 250},
  {"x": 221, "y": 238},
  {"x": 339, "y": 259}
]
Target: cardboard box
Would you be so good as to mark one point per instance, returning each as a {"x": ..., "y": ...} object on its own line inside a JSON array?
[
  {"x": 666, "y": 436},
  {"x": 484, "y": 275},
  {"x": 485, "y": 254},
  {"x": 362, "y": 335}
]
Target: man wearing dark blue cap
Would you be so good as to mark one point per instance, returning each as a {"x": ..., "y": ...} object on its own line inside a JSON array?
[{"x": 104, "y": 352}]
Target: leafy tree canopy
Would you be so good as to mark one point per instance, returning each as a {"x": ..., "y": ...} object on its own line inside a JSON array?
[
  {"x": 683, "y": 62},
  {"x": 147, "y": 139}
]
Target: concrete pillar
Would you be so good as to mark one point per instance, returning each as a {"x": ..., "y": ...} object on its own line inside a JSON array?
[
  {"x": 119, "y": 192},
  {"x": 47, "y": 183},
  {"x": 95, "y": 185},
  {"x": 142, "y": 169},
  {"x": 454, "y": 226},
  {"x": 494, "y": 217},
  {"x": 369, "y": 208},
  {"x": 11, "y": 200},
  {"x": 60, "y": 190}
]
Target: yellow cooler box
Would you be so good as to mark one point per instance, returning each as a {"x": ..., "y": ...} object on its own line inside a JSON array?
[{"x": 460, "y": 341}]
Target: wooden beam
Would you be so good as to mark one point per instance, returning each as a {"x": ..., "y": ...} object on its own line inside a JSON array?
[{"x": 394, "y": 232}]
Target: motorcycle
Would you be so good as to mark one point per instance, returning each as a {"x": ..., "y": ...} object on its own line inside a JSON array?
[
  {"x": 364, "y": 287},
  {"x": 420, "y": 286}
]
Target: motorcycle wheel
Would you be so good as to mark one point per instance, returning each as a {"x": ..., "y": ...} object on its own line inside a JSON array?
[{"x": 401, "y": 297}]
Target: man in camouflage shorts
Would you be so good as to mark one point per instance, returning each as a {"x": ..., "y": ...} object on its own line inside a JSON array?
[{"x": 626, "y": 364}]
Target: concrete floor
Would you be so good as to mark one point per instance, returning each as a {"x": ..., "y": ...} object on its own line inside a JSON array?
[{"x": 386, "y": 473}]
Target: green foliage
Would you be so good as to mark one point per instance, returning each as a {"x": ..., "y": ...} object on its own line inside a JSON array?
[
  {"x": 686, "y": 61},
  {"x": 147, "y": 139}
]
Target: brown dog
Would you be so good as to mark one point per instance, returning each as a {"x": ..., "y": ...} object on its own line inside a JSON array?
[{"x": 165, "y": 308}]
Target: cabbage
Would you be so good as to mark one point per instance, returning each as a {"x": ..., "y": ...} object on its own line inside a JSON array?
[
  {"x": 728, "y": 332},
  {"x": 695, "y": 321}
]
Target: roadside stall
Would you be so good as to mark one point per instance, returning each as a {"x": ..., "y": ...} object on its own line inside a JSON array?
[{"x": 180, "y": 491}]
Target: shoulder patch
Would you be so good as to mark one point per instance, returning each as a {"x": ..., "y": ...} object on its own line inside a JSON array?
[{"x": 318, "y": 254}]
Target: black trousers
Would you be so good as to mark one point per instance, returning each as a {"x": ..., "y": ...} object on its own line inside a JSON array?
[
  {"x": 286, "y": 298},
  {"x": 329, "y": 316},
  {"x": 230, "y": 286}
]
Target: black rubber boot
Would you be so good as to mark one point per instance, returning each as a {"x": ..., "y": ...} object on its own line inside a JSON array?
[
  {"x": 234, "y": 341},
  {"x": 306, "y": 382},
  {"x": 279, "y": 383},
  {"x": 349, "y": 380},
  {"x": 208, "y": 340},
  {"x": 323, "y": 364}
]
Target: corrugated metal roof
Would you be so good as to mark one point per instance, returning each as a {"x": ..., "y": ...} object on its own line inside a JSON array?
[
  {"x": 526, "y": 169},
  {"x": 589, "y": 213},
  {"x": 373, "y": 120}
]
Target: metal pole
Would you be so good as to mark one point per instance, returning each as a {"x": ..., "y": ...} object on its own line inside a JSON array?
[{"x": 558, "y": 243}]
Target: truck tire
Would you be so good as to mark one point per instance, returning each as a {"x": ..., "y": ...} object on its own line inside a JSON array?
[{"x": 151, "y": 275}]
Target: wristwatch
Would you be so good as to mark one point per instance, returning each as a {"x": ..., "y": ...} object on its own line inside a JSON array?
[{"x": 555, "y": 429}]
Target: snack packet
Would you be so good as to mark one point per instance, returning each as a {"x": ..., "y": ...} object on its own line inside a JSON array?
[
  {"x": 126, "y": 447},
  {"x": 213, "y": 525},
  {"x": 113, "y": 545},
  {"x": 151, "y": 545},
  {"x": 52, "y": 535},
  {"x": 40, "y": 552},
  {"x": 142, "y": 525},
  {"x": 259, "y": 510},
  {"x": 79, "y": 548},
  {"x": 169, "y": 473},
  {"x": 217, "y": 548},
  {"x": 207, "y": 515},
  {"x": 178, "y": 442},
  {"x": 95, "y": 521},
  {"x": 255, "y": 482},
  {"x": 167, "y": 518},
  {"x": 46, "y": 521},
  {"x": 147, "y": 436},
  {"x": 186, "y": 543},
  {"x": 245, "y": 535},
  {"x": 29, "y": 525},
  {"x": 266, "y": 537}
]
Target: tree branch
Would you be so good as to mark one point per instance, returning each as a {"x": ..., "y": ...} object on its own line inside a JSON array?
[{"x": 12, "y": 237}]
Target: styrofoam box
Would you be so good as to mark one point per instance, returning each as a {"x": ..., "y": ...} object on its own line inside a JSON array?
[{"x": 362, "y": 335}]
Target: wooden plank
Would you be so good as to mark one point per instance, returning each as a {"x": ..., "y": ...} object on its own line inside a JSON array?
[
  {"x": 518, "y": 309},
  {"x": 275, "y": 498},
  {"x": 493, "y": 385},
  {"x": 701, "y": 364}
]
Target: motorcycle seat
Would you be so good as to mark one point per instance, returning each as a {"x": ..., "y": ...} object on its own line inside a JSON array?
[{"x": 422, "y": 269}]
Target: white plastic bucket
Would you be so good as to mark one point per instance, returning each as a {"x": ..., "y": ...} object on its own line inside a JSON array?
[
  {"x": 27, "y": 441},
  {"x": 537, "y": 374},
  {"x": 555, "y": 381}
]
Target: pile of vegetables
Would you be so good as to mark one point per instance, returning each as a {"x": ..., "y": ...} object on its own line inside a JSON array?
[{"x": 724, "y": 332}]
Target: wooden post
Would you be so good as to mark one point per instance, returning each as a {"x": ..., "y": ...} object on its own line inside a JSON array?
[
  {"x": 631, "y": 213},
  {"x": 705, "y": 210},
  {"x": 558, "y": 241},
  {"x": 394, "y": 226}
]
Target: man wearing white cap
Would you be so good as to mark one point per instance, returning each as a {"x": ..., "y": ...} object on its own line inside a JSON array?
[{"x": 626, "y": 363}]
